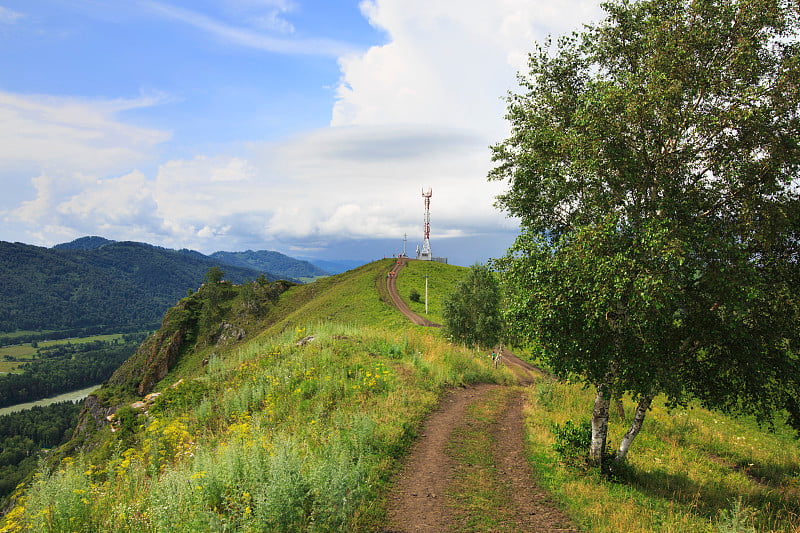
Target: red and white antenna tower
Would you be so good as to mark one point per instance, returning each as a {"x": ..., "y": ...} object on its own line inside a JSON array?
[{"x": 425, "y": 252}]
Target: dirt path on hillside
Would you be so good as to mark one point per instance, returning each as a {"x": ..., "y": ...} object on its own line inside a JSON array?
[
  {"x": 524, "y": 371},
  {"x": 419, "y": 500},
  {"x": 391, "y": 286}
]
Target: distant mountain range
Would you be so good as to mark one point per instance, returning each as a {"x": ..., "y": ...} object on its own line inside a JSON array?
[
  {"x": 266, "y": 261},
  {"x": 337, "y": 266},
  {"x": 94, "y": 281}
]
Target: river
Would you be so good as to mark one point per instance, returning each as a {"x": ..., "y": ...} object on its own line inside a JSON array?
[{"x": 73, "y": 396}]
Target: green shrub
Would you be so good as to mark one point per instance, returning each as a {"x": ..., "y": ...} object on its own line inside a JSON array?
[{"x": 572, "y": 442}]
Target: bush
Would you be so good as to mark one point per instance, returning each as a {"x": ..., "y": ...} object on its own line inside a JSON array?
[
  {"x": 572, "y": 442},
  {"x": 414, "y": 295}
]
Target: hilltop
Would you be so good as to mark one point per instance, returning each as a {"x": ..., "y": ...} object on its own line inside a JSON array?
[{"x": 84, "y": 243}]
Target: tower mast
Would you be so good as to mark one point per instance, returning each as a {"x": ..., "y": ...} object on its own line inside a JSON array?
[{"x": 425, "y": 252}]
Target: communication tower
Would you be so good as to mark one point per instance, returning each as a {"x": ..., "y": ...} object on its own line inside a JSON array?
[{"x": 425, "y": 253}]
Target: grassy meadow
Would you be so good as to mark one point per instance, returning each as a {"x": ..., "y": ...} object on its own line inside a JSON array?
[
  {"x": 688, "y": 470},
  {"x": 279, "y": 435},
  {"x": 298, "y": 428}
]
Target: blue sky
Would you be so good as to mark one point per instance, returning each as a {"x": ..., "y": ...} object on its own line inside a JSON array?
[{"x": 307, "y": 127}]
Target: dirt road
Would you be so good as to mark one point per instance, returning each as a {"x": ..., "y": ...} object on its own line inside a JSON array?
[{"x": 425, "y": 495}]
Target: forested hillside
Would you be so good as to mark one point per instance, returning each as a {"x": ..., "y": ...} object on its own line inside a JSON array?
[
  {"x": 115, "y": 285},
  {"x": 84, "y": 243},
  {"x": 268, "y": 261}
]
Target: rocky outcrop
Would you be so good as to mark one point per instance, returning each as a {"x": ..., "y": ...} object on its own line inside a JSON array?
[
  {"x": 229, "y": 333},
  {"x": 93, "y": 411},
  {"x": 162, "y": 357},
  {"x": 159, "y": 353}
]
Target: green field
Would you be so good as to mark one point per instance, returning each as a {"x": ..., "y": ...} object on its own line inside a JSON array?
[
  {"x": 9, "y": 366},
  {"x": 24, "y": 353},
  {"x": 13, "y": 334}
]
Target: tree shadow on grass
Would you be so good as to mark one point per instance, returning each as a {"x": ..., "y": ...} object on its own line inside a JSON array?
[{"x": 709, "y": 499}]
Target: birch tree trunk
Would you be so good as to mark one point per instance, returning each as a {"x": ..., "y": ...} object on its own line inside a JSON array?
[
  {"x": 599, "y": 424},
  {"x": 620, "y": 409},
  {"x": 636, "y": 425}
]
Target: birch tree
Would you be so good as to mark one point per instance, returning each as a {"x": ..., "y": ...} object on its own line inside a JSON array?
[
  {"x": 472, "y": 311},
  {"x": 653, "y": 163}
]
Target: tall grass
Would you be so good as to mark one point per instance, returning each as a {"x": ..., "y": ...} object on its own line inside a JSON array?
[
  {"x": 296, "y": 432},
  {"x": 689, "y": 469}
]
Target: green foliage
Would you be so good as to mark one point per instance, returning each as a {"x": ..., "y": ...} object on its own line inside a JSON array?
[
  {"x": 179, "y": 397},
  {"x": 126, "y": 419},
  {"x": 414, "y": 295},
  {"x": 736, "y": 519},
  {"x": 213, "y": 276},
  {"x": 25, "y": 433},
  {"x": 472, "y": 311},
  {"x": 572, "y": 442},
  {"x": 653, "y": 164}
]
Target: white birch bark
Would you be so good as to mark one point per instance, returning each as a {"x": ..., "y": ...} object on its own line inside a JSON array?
[
  {"x": 599, "y": 424},
  {"x": 636, "y": 425}
]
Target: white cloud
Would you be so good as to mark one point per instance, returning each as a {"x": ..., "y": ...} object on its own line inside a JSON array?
[
  {"x": 124, "y": 200},
  {"x": 8, "y": 16},
  {"x": 448, "y": 62},
  {"x": 267, "y": 15},
  {"x": 56, "y": 133},
  {"x": 79, "y": 205},
  {"x": 249, "y": 37}
]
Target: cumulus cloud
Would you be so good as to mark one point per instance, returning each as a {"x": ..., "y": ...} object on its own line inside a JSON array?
[
  {"x": 448, "y": 62},
  {"x": 74, "y": 205}
]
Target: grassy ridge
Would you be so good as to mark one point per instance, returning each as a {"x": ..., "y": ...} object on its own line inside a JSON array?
[
  {"x": 275, "y": 436},
  {"x": 353, "y": 297},
  {"x": 298, "y": 428}
]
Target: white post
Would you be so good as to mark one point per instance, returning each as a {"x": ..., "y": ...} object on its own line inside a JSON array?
[{"x": 426, "y": 295}]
